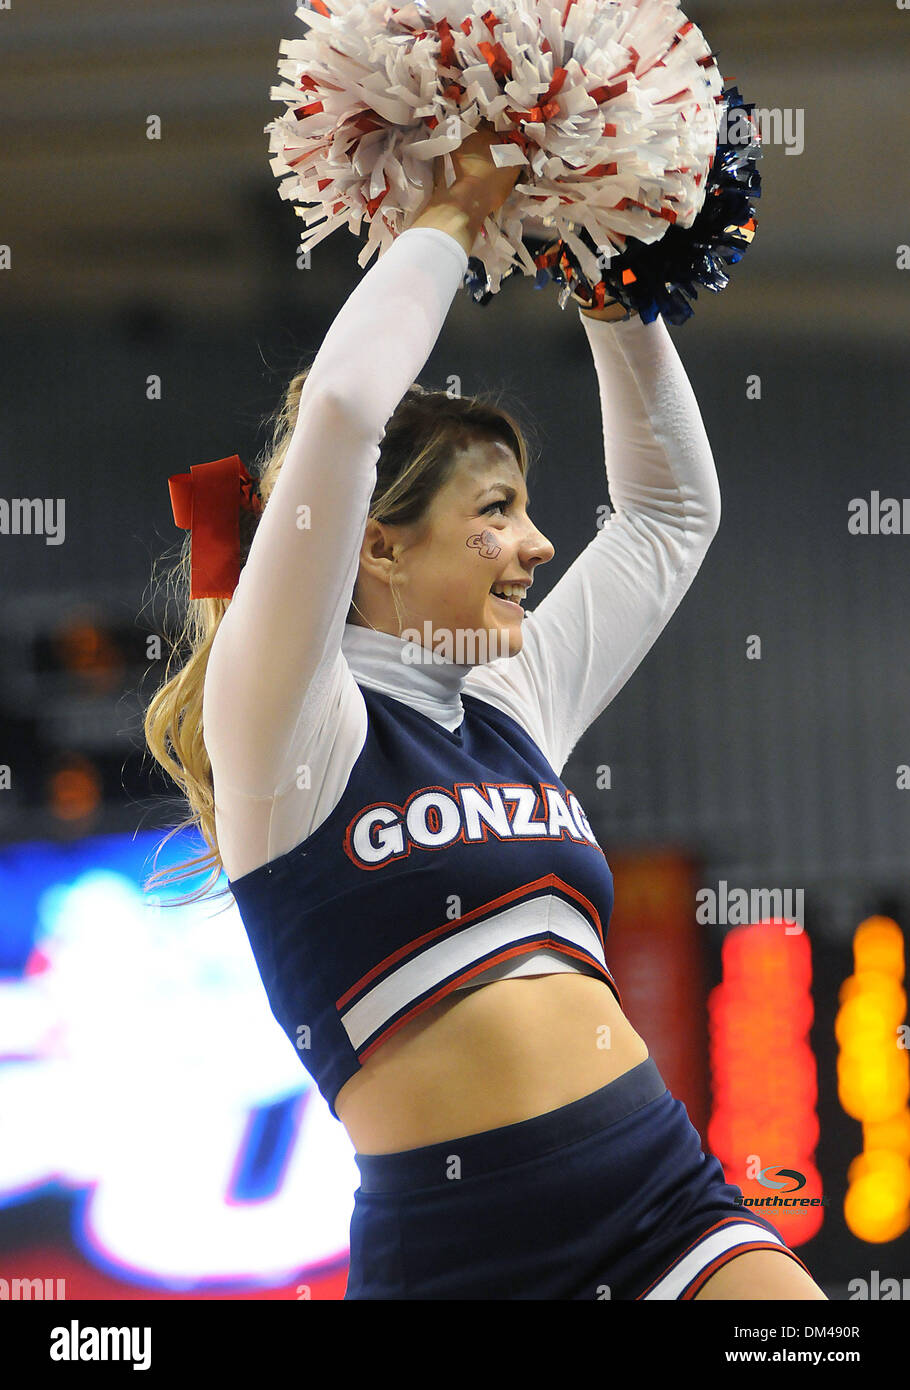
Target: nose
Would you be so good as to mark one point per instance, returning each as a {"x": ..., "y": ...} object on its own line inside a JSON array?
[{"x": 536, "y": 550}]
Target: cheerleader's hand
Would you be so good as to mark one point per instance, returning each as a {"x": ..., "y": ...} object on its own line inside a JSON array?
[
  {"x": 610, "y": 313},
  {"x": 475, "y": 170},
  {"x": 479, "y": 189}
]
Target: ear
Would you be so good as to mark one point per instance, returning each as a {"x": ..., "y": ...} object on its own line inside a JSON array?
[{"x": 378, "y": 551}]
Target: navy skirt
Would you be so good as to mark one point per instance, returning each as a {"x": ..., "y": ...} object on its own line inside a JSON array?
[{"x": 610, "y": 1196}]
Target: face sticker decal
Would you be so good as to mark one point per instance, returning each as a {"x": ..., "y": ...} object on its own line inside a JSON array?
[{"x": 485, "y": 543}]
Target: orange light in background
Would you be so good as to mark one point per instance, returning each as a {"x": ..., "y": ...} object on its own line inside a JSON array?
[
  {"x": 88, "y": 651},
  {"x": 74, "y": 790},
  {"x": 656, "y": 951},
  {"x": 873, "y": 1081},
  {"x": 764, "y": 1074}
]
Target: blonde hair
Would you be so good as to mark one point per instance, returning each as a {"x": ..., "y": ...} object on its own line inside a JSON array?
[{"x": 418, "y": 455}]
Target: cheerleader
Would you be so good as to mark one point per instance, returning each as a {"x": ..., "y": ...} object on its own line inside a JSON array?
[{"x": 424, "y": 896}]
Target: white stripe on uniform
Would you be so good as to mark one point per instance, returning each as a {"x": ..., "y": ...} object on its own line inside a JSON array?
[
  {"x": 456, "y": 953},
  {"x": 681, "y": 1275}
]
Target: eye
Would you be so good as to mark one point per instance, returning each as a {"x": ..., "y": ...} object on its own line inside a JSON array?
[{"x": 501, "y": 505}]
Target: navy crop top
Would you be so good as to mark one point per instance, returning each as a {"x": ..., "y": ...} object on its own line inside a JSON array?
[{"x": 387, "y": 907}]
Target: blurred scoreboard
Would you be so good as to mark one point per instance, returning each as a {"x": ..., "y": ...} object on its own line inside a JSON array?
[{"x": 144, "y": 1081}]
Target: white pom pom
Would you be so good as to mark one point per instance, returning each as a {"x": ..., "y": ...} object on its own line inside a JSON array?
[{"x": 611, "y": 111}]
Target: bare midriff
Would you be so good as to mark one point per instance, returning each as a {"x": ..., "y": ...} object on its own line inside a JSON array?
[{"x": 487, "y": 1057}]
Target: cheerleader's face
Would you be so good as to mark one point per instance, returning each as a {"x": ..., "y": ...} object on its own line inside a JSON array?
[{"x": 477, "y": 536}]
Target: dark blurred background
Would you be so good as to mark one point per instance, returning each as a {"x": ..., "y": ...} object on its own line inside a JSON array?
[{"x": 133, "y": 258}]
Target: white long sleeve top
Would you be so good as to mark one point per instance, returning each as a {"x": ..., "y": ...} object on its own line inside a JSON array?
[{"x": 283, "y": 718}]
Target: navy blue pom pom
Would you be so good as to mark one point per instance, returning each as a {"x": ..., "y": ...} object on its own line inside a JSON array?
[{"x": 661, "y": 277}]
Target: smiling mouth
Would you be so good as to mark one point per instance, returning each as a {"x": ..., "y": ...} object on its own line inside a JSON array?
[{"x": 508, "y": 603}]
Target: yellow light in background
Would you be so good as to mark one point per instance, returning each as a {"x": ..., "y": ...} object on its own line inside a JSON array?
[
  {"x": 862, "y": 983},
  {"x": 893, "y": 1133},
  {"x": 875, "y": 1085},
  {"x": 881, "y": 1161},
  {"x": 878, "y": 944},
  {"x": 873, "y": 1082},
  {"x": 875, "y": 1209},
  {"x": 876, "y": 1007}
]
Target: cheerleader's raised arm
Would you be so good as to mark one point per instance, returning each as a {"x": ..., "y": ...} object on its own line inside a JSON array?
[
  {"x": 585, "y": 639},
  {"x": 274, "y": 655}
]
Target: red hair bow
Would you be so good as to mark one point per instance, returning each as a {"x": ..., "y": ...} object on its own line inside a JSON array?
[{"x": 207, "y": 501}]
